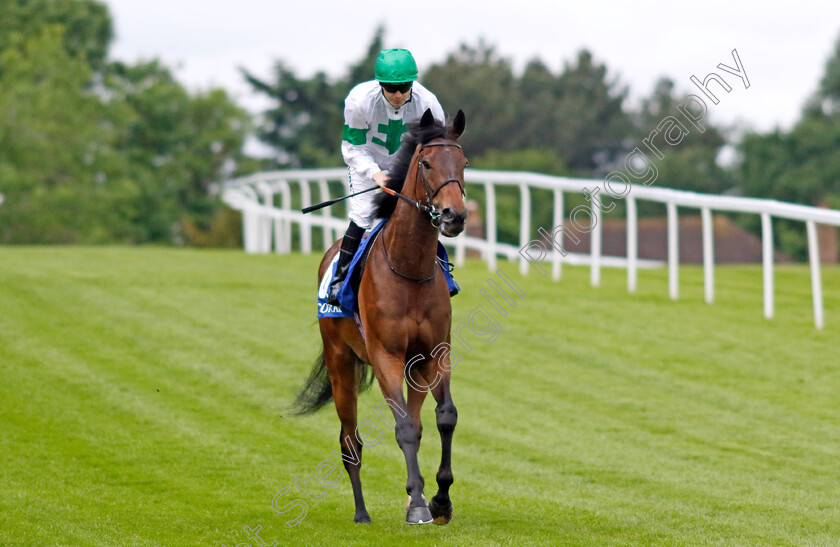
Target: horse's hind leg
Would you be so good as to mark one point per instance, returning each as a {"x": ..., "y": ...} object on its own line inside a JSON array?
[
  {"x": 447, "y": 417},
  {"x": 344, "y": 374}
]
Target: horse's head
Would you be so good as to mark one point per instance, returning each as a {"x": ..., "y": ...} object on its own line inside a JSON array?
[{"x": 440, "y": 169}]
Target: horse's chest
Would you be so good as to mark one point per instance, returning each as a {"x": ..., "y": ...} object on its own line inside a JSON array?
[
  {"x": 424, "y": 334},
  {"x": 422, "y": 321}
]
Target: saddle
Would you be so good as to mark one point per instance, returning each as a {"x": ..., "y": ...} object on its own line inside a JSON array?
[{"x": 347, "y": 294}]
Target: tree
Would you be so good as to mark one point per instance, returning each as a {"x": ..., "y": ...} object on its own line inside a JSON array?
[
  {"x": 87, "y": 25},
  {"x": 305, "y": 124},
  {"x": 801, "y": 165},
  {"x": 48, "y": 134},
  {"x": 536, "y": 160},
  {"x": 578, "y": 113},
  {"x": 479, "y": 82},
  {"x": 119, "y": 154},
  {"x": 539, "y": 123},
  {"x": 592, "y": 126},
  {"x": 692, "y": 164},
  {"x": 825, "y": 102},
  {"x": 169, "y": 147}
]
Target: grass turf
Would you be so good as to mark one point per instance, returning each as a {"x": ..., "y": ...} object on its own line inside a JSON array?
[{"x": 143, "y": 396}]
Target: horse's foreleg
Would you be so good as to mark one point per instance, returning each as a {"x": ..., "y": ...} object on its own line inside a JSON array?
[
  {"x": 447, "y": 417},
  {"x": 415, "y": 405},
  {"x": 408, "y": 437}
]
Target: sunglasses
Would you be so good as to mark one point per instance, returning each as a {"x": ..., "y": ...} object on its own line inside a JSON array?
[{"x": 393, "y": 88}]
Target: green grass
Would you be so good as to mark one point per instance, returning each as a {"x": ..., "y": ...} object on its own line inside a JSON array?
[{"x": 143, "y": 393}]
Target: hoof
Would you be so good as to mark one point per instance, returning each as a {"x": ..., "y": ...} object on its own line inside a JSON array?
[
  {"x": 418, "y": 515},
  {"x": 362, "y": 518},
  {"x": 441, "y": 514}
]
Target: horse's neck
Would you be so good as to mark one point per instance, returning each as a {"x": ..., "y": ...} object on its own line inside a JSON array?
[{"x": 410, "y": 238}]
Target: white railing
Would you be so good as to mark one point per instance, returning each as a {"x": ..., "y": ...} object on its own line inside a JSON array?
[{"x": 267, "y": 218}]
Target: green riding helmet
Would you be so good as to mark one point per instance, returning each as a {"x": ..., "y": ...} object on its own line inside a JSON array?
[{"x": 395, "y": 66}]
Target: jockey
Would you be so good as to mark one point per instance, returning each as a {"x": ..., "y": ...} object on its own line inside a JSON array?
[{"x": 376, "y": 114}]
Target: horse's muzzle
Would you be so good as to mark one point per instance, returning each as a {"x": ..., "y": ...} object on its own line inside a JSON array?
[{"x": 452, "y": 223}]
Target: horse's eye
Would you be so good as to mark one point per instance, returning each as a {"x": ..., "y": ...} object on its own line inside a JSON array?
[{"x": 425, "y": 164}]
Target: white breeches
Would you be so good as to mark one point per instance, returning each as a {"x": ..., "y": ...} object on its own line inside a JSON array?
[{"x": 361, "y": 207}]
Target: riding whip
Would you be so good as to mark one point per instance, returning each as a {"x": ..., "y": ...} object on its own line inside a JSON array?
[{"x": 336, "y": 200}]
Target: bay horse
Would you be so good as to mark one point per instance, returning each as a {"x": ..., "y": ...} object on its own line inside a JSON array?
[{"x": 405, "y": 312}]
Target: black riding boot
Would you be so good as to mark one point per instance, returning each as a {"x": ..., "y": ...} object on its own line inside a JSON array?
[{"x": 349, "y": 245}]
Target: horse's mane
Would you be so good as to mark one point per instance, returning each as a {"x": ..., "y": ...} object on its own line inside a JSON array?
[{"x": 384, "y": 204}]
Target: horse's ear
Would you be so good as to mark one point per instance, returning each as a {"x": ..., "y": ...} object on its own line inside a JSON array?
[
  {"x": 428, "y": 118},
  {"x": 458, "y": 124}
]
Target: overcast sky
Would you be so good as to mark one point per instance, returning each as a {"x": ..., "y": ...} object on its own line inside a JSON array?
[{"x": 783, "y": 46}]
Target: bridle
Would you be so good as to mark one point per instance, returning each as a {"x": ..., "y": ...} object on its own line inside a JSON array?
[{"x": 427, "y": 207}]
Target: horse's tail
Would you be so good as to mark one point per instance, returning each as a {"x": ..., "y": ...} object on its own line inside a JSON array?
[{"x": 317, "y": 390}]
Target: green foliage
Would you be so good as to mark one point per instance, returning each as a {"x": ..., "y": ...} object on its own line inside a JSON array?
[
  {"x": 590, "y": 117},
  {"x": 536, "y": 160},
  {"x": 691, "y": 164},
  {"x": 801, "y": 165},
  {"x": 93, "y": 152},
  {"x": 826, "y": 101},
  {"x": 173, "y": 146},
  {"x": 305, "y": 123},
  {"x": 87, "y": 24},
  {"x": 693, "y": 168},
  {"x": 96, "y": 151},
  {"x": 49, "y": 129},
  {"x": 479, "y": 82},
  {"x": 578, "y": 113},
  {"x": 305, "y": 126},
  {"x": 225, "y": 230}
]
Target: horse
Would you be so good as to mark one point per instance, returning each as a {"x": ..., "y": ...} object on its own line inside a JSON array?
[{"x": 404, "y": 313}]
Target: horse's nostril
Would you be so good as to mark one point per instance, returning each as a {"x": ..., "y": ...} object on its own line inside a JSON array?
[{"x": 447, "y": 214}]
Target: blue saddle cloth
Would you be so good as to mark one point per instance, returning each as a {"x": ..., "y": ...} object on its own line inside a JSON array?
[{"x": 347, "y": 293}]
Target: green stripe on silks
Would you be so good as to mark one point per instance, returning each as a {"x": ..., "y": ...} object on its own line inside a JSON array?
[{"x": 354, "y": 136}]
